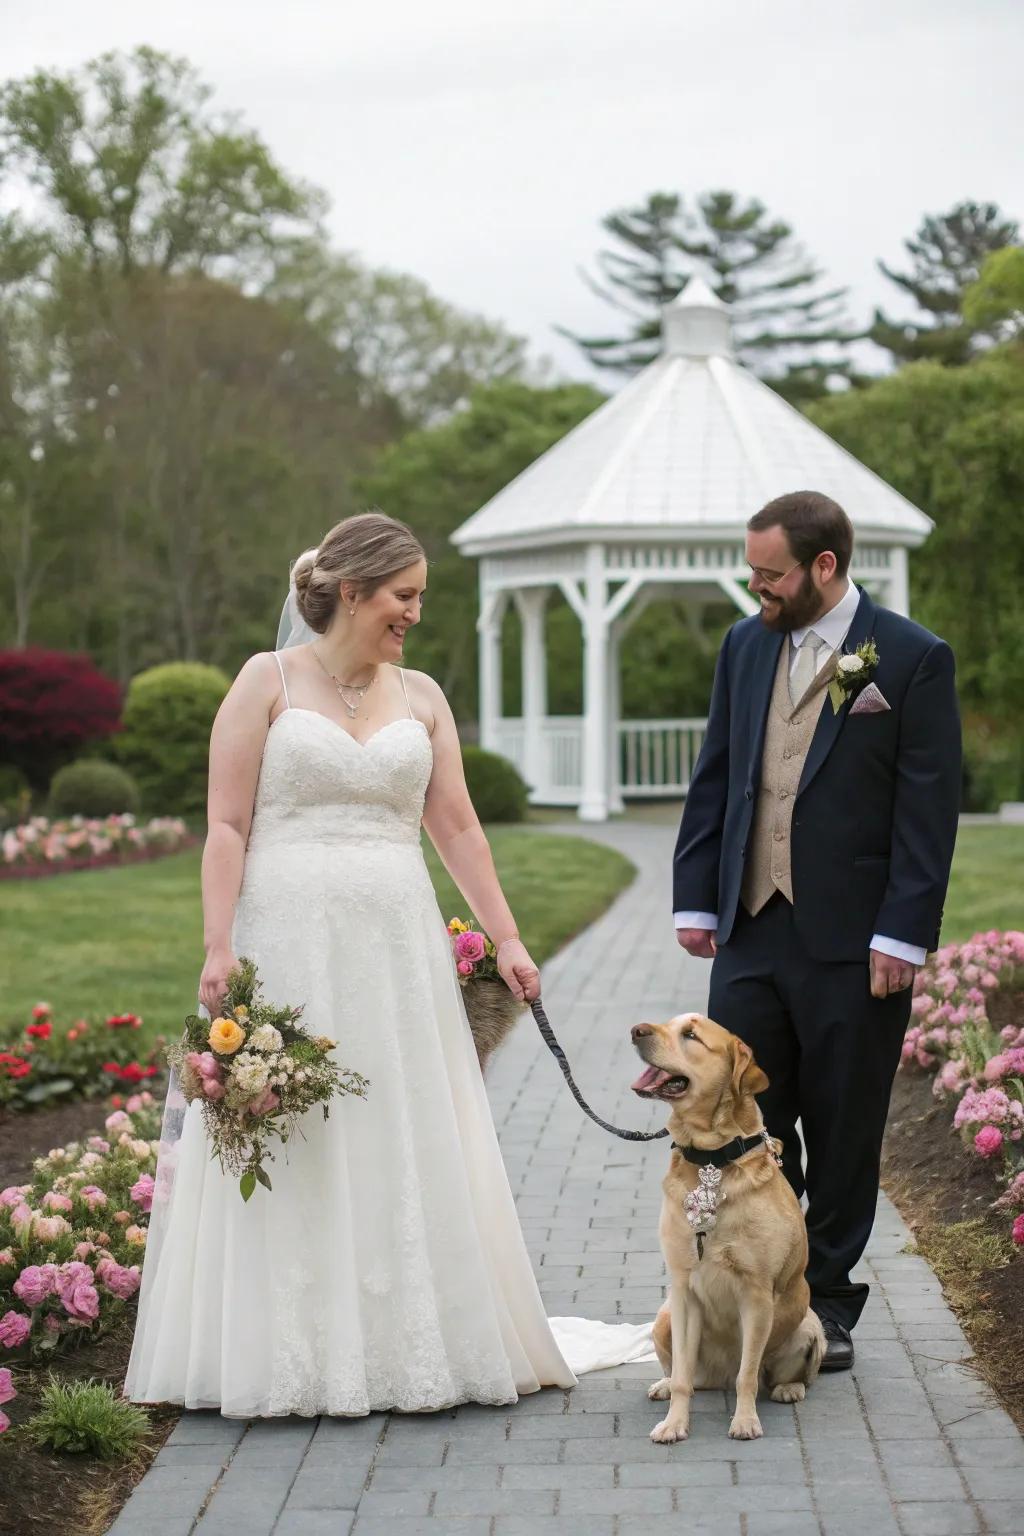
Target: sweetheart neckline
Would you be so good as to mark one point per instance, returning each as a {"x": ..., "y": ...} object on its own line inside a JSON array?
[{"x": 297, "y": 709}]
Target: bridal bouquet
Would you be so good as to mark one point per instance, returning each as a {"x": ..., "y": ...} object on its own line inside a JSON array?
[
  {"x": 491, "y": 1008},
  {"x": 256, "y": 1073}
]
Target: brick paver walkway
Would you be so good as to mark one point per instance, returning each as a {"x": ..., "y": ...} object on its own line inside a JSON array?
[{"x": 909, "y": 1443}]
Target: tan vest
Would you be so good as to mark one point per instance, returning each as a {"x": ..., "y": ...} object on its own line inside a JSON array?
[{"x": 787, "y": 741}]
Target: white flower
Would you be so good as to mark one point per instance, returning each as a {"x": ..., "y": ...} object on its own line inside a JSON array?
[
  {"x": 249, "y": 1073},
  {"x": 851, "y": 664},
  {"x": 265, "y": 1038}
]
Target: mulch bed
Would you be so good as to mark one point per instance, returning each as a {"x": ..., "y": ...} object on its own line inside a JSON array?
[
  {"x": 98, "y": 861},
  {"x": 41, "y": 1493},
  {"x": 936, "y": 1182}
]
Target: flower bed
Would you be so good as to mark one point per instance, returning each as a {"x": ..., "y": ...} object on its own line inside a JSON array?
[
  {"x": 43, "y": 847},
  {"x": 47, "y": 1061},
  {"x": 968, "y": 1029},
  {"x": 72, "y": 1238}
]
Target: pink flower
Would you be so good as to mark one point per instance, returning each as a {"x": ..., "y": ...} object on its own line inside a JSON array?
[
  {"x": 213, "y": 1089},
  {"x": 117, "y": 1278},
  {"x": 6, "y": 1385},
  {"x": 35, "y": 1283},
  {"x": 14, "y": 1195},
  {"x": 464, "y": 967},
  {"x": 134, "y": 1104},
  {"x": 93, "y": 1197},
  {"x": 142, "y": 1192},
  {"x": 15, "y": 1328},
  {"x": 122, "y": 1218},
  {"x": 83, "y": 1250},
  {"x": 1018, "y": 1230},
  {"x": 470, "y": 946},
  {"x": 97, "y": 1144},
  {"x": 6, "y": 1257},
  {"x": 77, "y": 1292},
  {"x": 21, "y": 1218},
  {"x": 989, "y": 1141},
  {"x": 118, "y": 1121},
  {"x": 264, "y": 1104},
  {"x": 53, "y": 1202},
  {"x": 135, "y": 1235}
]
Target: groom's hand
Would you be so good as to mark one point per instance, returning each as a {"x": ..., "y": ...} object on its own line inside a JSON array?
[
  {"x": 699, "y": 942},
  {"x": 890, "y": 975}
]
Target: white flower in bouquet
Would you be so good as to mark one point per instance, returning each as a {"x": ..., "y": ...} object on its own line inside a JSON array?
[
  {"x": 266, "y": 1039},
  {"x": 249, "y": 1073},
  {"x": 851, "y": 663}
]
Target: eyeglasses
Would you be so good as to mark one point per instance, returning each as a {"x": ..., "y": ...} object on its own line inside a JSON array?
[{"x": 771, "y": 578}]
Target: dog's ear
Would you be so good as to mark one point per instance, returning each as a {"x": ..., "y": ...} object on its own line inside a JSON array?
[{"x": 747, "y": 1076}]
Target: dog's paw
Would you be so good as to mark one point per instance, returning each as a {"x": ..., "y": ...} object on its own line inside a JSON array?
[
  {"x": 669, "y": 1431},
  {"x": 745, "y": 1427},
  {"x": 660, "y": 1391},
  {"x": 788, "y": 1392}
]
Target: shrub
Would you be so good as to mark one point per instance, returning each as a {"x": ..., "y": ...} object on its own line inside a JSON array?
[
  {"x": 92, "y": 788},
  {"x": 15, "y": 796},
  {"x": 86, "y": 1416},
  {"x": 497, "y": 791},
  {"x": 47, "y": 1060},
  {"x": 165, "y": 737},
  {"x": 52, "y": 704}
]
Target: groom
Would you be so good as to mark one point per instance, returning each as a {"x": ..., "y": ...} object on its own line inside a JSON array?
[{"x": 812, "y": 863}]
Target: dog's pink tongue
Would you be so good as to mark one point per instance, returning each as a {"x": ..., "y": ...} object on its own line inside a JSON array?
[{"x": 651, "y": 1078}]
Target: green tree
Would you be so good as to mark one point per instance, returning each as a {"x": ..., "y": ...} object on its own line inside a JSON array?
[
  {"x": 788, "y": 327},
  {"x": 131, "y": 170},
  {"x": 946, "y": 256},
  {"x": 995, "y": 302},
  {"x": 952, "y": 440},
  {"x": 405, "y": 344}
]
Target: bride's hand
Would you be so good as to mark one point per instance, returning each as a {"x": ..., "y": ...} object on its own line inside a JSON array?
[
  {"x": 517, "y": 970},
  {"x": 213, "y": 983}
]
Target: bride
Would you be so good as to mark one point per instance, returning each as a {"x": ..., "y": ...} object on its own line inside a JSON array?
[{"x": 387, "y": 1268}]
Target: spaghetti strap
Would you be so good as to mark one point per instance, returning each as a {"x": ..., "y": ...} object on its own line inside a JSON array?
[
  {"x": 284, "y": 685},
  {"x": 401, "y": 673}
]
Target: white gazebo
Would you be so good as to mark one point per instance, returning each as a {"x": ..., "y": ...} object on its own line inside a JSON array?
[{"x": 647, "y": 497}]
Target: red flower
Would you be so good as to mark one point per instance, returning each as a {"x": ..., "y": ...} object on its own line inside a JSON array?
[
  {"x": 124, "y": 1021},
  {"x": 150, "y": 1072},
  {"x": 14, "y": 1066},
  {"x": 41, "y": 1011},
  {"x": 112, "y": 1068},
  {"x": 39, "y": 1031},
  {"x": 134, "y": 1072},
  {"x": 116, "y": 1100}
]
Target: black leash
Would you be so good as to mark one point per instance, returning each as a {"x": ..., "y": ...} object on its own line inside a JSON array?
[{"x": 548, "y": 1036}]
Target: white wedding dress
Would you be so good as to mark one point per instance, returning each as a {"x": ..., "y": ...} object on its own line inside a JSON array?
[{"x": 387, "y": 1268}]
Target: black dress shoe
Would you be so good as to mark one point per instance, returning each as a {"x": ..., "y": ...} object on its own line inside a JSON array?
[{"x": 838, "y": 1346}]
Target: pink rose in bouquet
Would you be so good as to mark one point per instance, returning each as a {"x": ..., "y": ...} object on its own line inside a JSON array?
[
  {"x": 470, "y": 946},
  {"x": 464, "y": 967}
]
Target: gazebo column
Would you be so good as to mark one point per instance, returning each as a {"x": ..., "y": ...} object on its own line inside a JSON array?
[
  {"x": 531, "y": 604},
  {"x": 594, "y": 795},
  {"x": 899, "y": 582},
  {"x": 615, "y": 801},
  {"x": 492, "y": 611}
]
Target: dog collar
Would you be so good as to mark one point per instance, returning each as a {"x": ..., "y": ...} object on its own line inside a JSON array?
[{"x": 720, "y": 1157}]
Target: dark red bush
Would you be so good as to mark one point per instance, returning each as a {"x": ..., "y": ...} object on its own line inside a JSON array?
[{"x": 51, "y": 705}]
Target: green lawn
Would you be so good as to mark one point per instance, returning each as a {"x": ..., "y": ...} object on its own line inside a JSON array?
[
  {"x": 111, "y": 940},
  {"x": 987, "y": 888}
]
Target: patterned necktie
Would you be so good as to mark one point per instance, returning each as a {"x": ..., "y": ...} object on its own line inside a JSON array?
[{"x": 805, "y": 668}]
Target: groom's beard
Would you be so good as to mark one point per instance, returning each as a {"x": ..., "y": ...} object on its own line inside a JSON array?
[{"x": 796, "y": 612}]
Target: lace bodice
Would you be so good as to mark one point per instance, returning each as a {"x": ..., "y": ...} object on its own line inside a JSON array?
[{"x": 318, "y": 784}]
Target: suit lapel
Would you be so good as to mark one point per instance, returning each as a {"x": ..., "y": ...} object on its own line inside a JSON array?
[
  {"x": 762, "y": 682},
  {"x": 829, "y": 721}
]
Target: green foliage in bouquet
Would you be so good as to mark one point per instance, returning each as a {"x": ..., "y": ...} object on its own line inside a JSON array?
[{"x": 256, "y": 1073}]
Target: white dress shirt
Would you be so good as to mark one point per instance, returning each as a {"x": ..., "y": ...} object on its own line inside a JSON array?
[{"x": 832, "y": 628}]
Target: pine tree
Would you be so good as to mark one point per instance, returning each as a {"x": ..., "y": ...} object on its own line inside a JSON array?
[
  {"x": 946, "y": 256},
  {"x": 786, "y": 326}
]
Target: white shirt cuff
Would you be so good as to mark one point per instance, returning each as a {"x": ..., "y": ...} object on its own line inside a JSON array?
[
  {"x": 912, "y": 953},
  {"x": 697, "y": 920}
]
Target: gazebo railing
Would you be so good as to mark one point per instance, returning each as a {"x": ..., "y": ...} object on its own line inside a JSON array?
[{"x": 656, "y": 758}]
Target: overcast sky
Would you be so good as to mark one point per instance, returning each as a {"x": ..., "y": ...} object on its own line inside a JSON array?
[{"x": 477, "y": 143}]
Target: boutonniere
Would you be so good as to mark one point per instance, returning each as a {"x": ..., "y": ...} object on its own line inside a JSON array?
[{"x": 853, "y": 670}]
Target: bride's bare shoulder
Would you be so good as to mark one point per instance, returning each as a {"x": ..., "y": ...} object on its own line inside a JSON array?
[
  {"x": 426, "y": 696},
  {"x": 259, "y": 681}
]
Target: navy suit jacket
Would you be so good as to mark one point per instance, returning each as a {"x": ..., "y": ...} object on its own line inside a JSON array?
[{"x": 875, "y": 817}]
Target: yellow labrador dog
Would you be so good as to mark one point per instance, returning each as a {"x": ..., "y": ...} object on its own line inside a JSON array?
[{"x": 732, "y": 1233}]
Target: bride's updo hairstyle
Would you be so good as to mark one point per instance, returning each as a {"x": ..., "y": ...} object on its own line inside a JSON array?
[{"x": 365, "y": 550}]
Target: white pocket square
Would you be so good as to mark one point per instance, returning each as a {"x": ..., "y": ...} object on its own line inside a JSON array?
[{"x": 870, "y": 701}]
